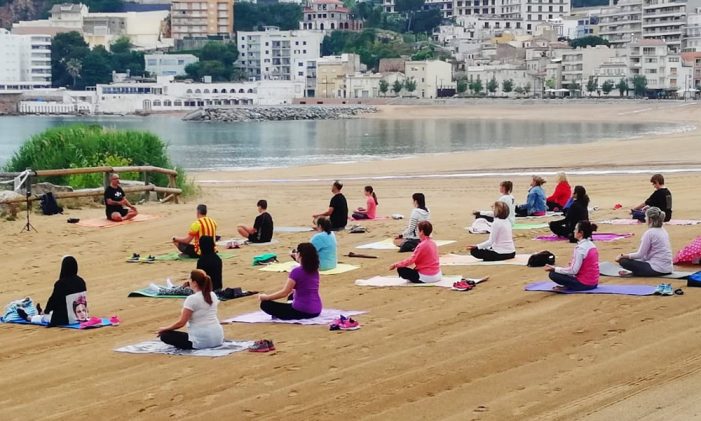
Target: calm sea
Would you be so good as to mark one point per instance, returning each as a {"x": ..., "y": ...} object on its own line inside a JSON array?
[{"x": 231, "y": 146}]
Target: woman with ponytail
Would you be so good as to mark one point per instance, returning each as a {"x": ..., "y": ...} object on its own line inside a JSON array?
[
  {"x": 200, "y": 315},
  {"x": 583, "y": 272},
  {"x": 370, "y": 209}
]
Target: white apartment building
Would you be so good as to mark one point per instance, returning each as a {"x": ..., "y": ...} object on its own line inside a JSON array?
[
  {"x": 613, "y": 69},
  {"x": 692, "y": 35},
  {"x": 429, "y": 76},
  {"x": 517, "y": 73},
  {"x": 168, "y": 64},
  {"x": 273, "y": 54},
  {"x": 364, "y": 85},
  {"x": 26, "y": 61},
  {"x": 543, "y": 10},
  {"x": 622, "y": 23},
  {"x": 664, "y": 20},
  {"x": 663, "y": 69},
  {"x": 580, "y": 64},
  {"x": 166, "y": 95}
]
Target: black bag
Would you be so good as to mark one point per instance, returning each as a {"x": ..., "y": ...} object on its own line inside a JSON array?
[
  {"x": 49, "y": 206},
  {"x": 541, "y": 259}
]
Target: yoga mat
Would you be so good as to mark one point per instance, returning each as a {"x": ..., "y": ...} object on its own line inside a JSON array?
[
  {"x": 388, "y": 244},
  {"x": 468, "y": 260},
  {"x": 547, "y": 286},
  {"x": 288, "y": 266},
  {"x": 169, "y": 257},
  {"x": 326, "y": 317},
  {"x": 149, "y": 293},
  {"x": 612, "y": 269},
  {"x": 394, "y": 281},
  {"x": 158, "y": 347},
  {"x": 292, "y": 229},
  {"x": 105, "y": 322},
  {"x": 597, "y": 236},
  {"x": 548, "y": 214},
  {"x": 636, "y": 222},
  {"x": 244, "y": 242},
  {"x": 528, "y": 226},
  {"x": 106, "y": 223},
  {"x": 377, "y": 218}
]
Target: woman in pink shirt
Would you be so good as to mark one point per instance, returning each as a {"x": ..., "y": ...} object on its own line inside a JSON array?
[
  {"x": 583, "y": 271},
  {"x": 427, "y": 267},
  {"x": 370, "y": 209}
]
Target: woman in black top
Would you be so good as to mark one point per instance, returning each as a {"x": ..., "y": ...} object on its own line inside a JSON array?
[
  {"x": 210, "y": 262},
  {"x": 577, "y": 212}
]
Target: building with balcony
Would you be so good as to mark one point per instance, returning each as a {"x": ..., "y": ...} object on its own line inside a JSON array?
[
  {"x": 331, "y": 72},
  {"x": 26, "y": 62},
  {"x": 622, "y": 23},
  {"x": 578, "y": 65},
  {"x": 663, "y": 69},
  {"x": 692, "y": 33},
  {"x": 664, "y": 20},
  {"x": 273, "y": 54},
  {"x": 193, "y": 19},
  {"x": 328, "y": 15}
]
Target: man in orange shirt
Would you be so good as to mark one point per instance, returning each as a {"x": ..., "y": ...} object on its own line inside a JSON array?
[{"x": 203, "y": 226}]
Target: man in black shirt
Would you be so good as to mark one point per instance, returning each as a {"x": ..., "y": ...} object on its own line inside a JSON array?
[
  {"x": 661, "y": 198},
  {"x": 117, "y": 207},
  {"x": 338, "y": 208},
  {"x": 262, "y": 229}
]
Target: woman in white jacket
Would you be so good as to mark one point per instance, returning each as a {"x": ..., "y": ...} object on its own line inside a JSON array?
[
  {"x": 500, "y": 244},
  {"x": 409, "y": 239}
]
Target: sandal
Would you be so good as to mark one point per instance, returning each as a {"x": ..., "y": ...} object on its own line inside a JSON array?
[{"x": 679, "y": 291}]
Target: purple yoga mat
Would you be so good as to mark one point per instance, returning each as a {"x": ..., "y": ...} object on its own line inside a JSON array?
[
  {"x": 601, "y": 289},
  {"x": 327, "y": 316},
  {"x": 601, "y": 236}
]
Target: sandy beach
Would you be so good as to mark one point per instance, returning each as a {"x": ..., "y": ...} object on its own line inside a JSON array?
[{"x": 494, "y": 353}]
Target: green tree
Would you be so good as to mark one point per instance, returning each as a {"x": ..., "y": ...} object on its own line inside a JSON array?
[
  {"x": 97, "y": 68},
  {"x": 518, "y": 90},
  {"x": 623, "y": 87},
  {"x": 607, "y": 87},
  {"x": 507, "y": 85},
  {"x": 426, "y": 20},
  {"x": 65, "y": 47},
  {"x": 588, "y": 41},
  {"x": 73, "y": 67},
  {"x": 527, "y": 88},
  {"x": 462, "y": 86},
  {"x": 550, "y": 83},
  {"x": 124, "y": 59},
  {"x": 492, "y": 85},
  {"x": 253, "y": 17},
  {"x": 397, "y": 87},
  {"x": 410, "y": 85},
  {"x": 384, "y": 87},
  {"x": 592, "y": 85},
  {"x": 225, "y": 52},
  {"x": 575, "y": 88},
  {"x": 476, "y": 86},
  {"x": 639, "y": 85}
]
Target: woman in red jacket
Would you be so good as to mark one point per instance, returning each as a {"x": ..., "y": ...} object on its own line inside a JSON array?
[{"x": 561, "y": 195}]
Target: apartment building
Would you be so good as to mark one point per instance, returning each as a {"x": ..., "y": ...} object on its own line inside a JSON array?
[
  {"x": 429, "y": 77},
  {"x": 622, "y": 23},
  {"x": 26, "y": 61},
  {"x": 577, "y": 66},
  {"x": 168, "y": 64},
  {"x": 692, "y": 33},
  {"x": 663, "y": 69},
  {"x": 664, "y": 20},
  {"x": 273, "y": 54},
  {"x": 202, "y": 18},
  {"x": 331, "y": 72}
]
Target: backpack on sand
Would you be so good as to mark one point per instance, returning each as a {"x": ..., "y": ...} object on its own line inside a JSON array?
[
  {"x": 541, "y": 259},
  {"x": 49, "y": 206}
]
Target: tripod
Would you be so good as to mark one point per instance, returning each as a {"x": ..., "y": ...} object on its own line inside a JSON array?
[{"x": 28, "y": 194}]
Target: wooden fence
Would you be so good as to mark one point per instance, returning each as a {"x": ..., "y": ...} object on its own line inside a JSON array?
[{"x": 171, "y": 192}]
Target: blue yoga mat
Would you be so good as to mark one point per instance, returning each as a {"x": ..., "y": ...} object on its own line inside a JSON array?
[
  {"x": 601, "y": 289},
  {"x": 105, "y": 322}
]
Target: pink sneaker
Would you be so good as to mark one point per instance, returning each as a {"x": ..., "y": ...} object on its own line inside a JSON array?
[
  {"x": 349, "y": 324},
  {"x": 92, "y": 322},
  {"x": 115, "y": 320}
]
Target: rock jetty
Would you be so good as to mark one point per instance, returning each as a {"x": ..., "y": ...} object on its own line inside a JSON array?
[{"x": 274, "y": 113}]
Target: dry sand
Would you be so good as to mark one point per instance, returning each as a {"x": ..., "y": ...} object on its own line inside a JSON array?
[{"x": 494, "y": 353}]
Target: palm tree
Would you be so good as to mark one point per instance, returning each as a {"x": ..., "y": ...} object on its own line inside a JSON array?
[{"x": 73, "y": 67}]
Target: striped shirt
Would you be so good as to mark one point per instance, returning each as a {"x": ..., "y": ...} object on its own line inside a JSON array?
[{"x": 203, "y": 226}]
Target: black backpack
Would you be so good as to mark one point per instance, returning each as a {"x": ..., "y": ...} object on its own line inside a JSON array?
[
  {"x": 541, "y": 259},
  {"x": 49, "y": 206}
]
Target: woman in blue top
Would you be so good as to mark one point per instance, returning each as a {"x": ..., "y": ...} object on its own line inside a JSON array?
[
  {"x": 535, "y": 201},
  {"x": 325, "y": 244}
]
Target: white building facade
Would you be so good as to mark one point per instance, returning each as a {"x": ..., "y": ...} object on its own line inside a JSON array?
[
  {"x": 26, "y": 61},
  {"x": 665, "y": 20},
  {"x": 168, "y": 64},
  {"x": 430, "y": 76},
  {"x": 622, "y": 23}
]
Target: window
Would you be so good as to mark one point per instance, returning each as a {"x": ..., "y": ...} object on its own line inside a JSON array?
[{"x": 300, "y": 73}]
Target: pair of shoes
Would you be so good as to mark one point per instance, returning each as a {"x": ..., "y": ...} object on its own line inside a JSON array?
[
  {"x": 263, "y": 345},
  {"x": 134, "y": 258},
  {"x": 664, "y": 289},
  {"x": 150, "y": 259},
  {"x": 115, "y": 320},
  {"x": 463, "y": 285},
  {"x": 344, "y": 323},
  {"x": 92, "y": 322}
]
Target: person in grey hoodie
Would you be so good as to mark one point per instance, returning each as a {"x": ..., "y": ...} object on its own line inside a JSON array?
[{"x": 409, "y": 239}]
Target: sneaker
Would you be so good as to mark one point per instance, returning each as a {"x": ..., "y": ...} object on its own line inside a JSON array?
[
  {"x": 462, "y": 285},
  {"x": 115, "y": 320},
  {"x": 659, "y": 289},
  {"x": 349, "y": 324},
  {"x": 339, "y": 320},
  {"x": 134, "y": 258},
  {"x": 92, "y": 322},
  {"x": 264, "y": 345},
  {"x": 667, "y": 289},
  {"x": 150, "y": 259}
]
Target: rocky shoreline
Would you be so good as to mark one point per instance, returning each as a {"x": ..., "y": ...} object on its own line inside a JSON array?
[{"x": 278, "y": 113}]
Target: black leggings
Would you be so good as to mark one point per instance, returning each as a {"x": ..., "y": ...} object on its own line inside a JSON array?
[
  {"x": 411, "y": 275},
  {"x": 639, "y": 268},
  {"x": 488, "y": 218},
  {"x": 284, "y": 311},
  {"x": 188, "y": 250},
  {"x": 490, "y": 255},
  {"x": 553, "y": 206},
  {"x": 178, "y": 339},
  {"x": 569, "y": 282},
  {"x": 560, "y": 229}
]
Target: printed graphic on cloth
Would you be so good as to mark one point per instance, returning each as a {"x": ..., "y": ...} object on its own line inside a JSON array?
[
  {"x": 77, "y": 307},
  {"x": 158, "y": 347}
]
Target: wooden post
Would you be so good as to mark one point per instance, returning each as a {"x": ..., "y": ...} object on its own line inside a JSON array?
[{"x": 147, "y": 194}]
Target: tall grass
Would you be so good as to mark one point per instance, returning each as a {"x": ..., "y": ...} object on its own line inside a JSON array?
[{"x": 93, "y": 146}]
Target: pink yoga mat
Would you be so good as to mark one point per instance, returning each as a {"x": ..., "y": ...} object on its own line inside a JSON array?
[
  {"x": 106, "y": 223},
  {"x": 601, "y": 236}
]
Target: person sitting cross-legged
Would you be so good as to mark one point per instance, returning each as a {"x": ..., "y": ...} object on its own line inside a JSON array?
[{"x": 425, "y": 259}]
